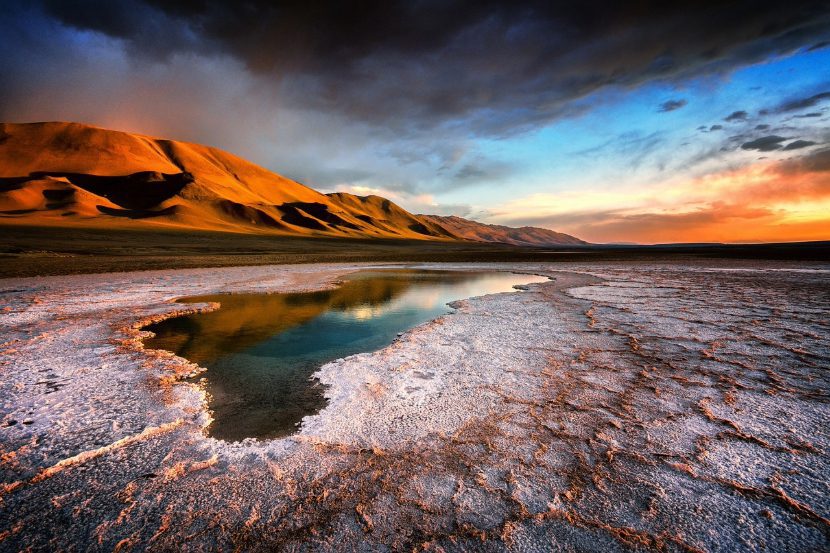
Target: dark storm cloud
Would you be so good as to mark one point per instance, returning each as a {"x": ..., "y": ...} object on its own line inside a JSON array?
[
  {"x": 671, "y": 105},
  {"x": 500, "y": 67},
  {"x": 803, "y": 103},
  {"x": 798, "y": 144},
  {"x": 765, "y": 143},
  {"x": 150, "y": 31},
  {"x": 736, "y": 116}
]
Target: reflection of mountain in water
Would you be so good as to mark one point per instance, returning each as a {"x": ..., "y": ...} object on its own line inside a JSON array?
[
  {"x": 247, "y": 319},
  {"x": 261, "y": 349}
]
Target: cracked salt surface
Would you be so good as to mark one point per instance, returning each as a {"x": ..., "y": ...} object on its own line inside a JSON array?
[{"x": 619, "y": 407}]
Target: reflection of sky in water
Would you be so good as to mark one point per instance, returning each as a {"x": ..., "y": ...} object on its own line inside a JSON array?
[
  {"x": 261, "y": 349},
  {"x": 433, "y": 295}
]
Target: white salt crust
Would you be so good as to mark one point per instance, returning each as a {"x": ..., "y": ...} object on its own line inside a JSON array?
[{"x": 618, "y": 407}]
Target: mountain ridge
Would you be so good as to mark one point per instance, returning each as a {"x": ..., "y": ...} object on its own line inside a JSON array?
[
  {"x": 517, "y": 236},
  {"x": 70, "y": 174}
]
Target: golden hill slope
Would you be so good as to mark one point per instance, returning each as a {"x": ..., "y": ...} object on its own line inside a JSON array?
[
  {"x": 73, "y": 174},
  {"x": 386, "y": 216}
]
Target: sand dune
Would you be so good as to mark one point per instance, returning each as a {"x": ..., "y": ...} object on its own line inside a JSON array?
[
  {"x": 522, "y": 236},
  {"x": 69, "y": 174}
]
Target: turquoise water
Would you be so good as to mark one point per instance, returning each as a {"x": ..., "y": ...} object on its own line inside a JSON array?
[{"x": 261, "y": 349}]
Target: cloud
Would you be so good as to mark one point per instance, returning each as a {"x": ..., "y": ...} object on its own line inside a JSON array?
[
  {"x": 803, "y": 103},
  {"x": 766, "y": 201},
  {"x": 765, "y": 143},
  {"x": 672, "y": 105},
  {"x": 634, "y": 146},
  {"x": 325, "y": 179},
  {"x": 798, "y": 144},
  {"x": 736, "y": 116},
  {"x": 390, "y": 94},
  {"x": 417, "y": 203},
  {"x": 482, "y": 171},
  {"x": 407, "y": 66},
  {"x": 815, "y": 162},
  {"x": 460, "y": 210},
  {"x": 714, "y": 222}
]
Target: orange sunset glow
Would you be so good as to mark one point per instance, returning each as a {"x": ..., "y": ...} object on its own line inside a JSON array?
[{"x": 766, "y": 201}]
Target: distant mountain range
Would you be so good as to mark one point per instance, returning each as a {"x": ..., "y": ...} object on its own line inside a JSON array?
[
  {"x": 521, "y": 236},
  {"x": 68, "y": 174}
]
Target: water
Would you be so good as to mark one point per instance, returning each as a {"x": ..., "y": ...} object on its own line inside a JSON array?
[{"x": 261, "y": 349}]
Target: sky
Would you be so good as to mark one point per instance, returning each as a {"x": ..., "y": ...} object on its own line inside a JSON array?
[{"x": 618, "y": 122}]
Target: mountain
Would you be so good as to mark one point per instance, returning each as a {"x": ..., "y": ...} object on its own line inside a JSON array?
[
  {"x": 69, "y": 174},
  {"x": 522, "y": 236},
  {"x": 386, "y": 216}
]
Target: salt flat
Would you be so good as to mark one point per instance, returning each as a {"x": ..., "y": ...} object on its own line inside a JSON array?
[{"x": 618, "y": 407}]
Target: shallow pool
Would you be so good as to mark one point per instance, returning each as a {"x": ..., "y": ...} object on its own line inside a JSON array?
[{"x": 261, "y": 349}]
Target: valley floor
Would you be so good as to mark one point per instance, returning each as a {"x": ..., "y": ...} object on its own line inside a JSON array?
[
  {"x": 621, "y": 406},
  {"x": 38, "y": 251}
]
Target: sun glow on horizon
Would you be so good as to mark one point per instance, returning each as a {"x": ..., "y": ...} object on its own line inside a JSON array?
[{"x": 764, "y": 202}]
